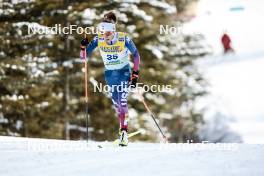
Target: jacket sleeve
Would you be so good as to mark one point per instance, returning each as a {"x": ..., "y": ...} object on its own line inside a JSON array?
[
  {"x": 133, "y": 50},
  {"x": 91, "y": 46}
]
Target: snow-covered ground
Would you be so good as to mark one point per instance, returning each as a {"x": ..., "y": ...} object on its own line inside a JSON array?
[
  {"x": 237, "y": 89},
  {"x": 235, "y": 81},
  {"x": 25, "y": 156},
  {"x": 243, "y": 24}
]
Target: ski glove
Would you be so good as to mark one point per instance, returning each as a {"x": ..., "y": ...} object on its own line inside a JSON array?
[
  {"x": 134, "y": 79},
  {"x": 84, "y": 43}
]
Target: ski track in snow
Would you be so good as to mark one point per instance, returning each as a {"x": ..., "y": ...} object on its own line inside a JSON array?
[{"x": 18, "y": 158}]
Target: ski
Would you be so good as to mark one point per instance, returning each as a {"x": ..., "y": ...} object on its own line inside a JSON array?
[
  {"x": 129, "y": 136},
  {"x": 115, "y": 142}
]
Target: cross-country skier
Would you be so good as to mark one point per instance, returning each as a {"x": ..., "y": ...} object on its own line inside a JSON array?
[
  {"x": 226, "y": 42},
  {"x": 115, "y": 48}
]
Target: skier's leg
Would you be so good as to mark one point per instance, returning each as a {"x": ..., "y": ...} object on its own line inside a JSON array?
[
  {"x": 119, "y": 100},
  {"x": 122, "y": 110},
  {"x": 120, "y": 103},
  {"x": 122, "y": 99}
]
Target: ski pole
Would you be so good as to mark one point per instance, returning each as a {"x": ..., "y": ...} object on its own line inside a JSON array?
[
  {"x": 86, "y": 91},
  {"x": 152, "y": 115}
]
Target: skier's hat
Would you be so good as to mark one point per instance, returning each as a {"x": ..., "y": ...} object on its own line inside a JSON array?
[{"x": 108, "y": 23}]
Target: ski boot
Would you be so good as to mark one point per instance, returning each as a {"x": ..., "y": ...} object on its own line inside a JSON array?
[{"x": 123, "y": 137}]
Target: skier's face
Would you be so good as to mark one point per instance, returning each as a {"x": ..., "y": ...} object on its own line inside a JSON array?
[{"x": 108, "y": 35}]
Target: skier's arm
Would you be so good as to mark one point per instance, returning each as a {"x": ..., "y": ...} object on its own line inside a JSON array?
[
  {"x": 91, "y": 46},
  {"x": 88, "y": 47},
  {"x": 136, "y": 58},
  {"x": 133, "y": 50}
]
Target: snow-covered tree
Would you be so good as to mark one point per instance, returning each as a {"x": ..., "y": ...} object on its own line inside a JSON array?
[{"x": 42, "y": 78}]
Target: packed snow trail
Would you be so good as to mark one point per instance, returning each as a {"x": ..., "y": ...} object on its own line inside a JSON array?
[{"x": 25, "y": 156}]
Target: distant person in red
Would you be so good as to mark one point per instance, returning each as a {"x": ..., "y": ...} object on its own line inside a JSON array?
[{"x": 226, "y": 41}]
